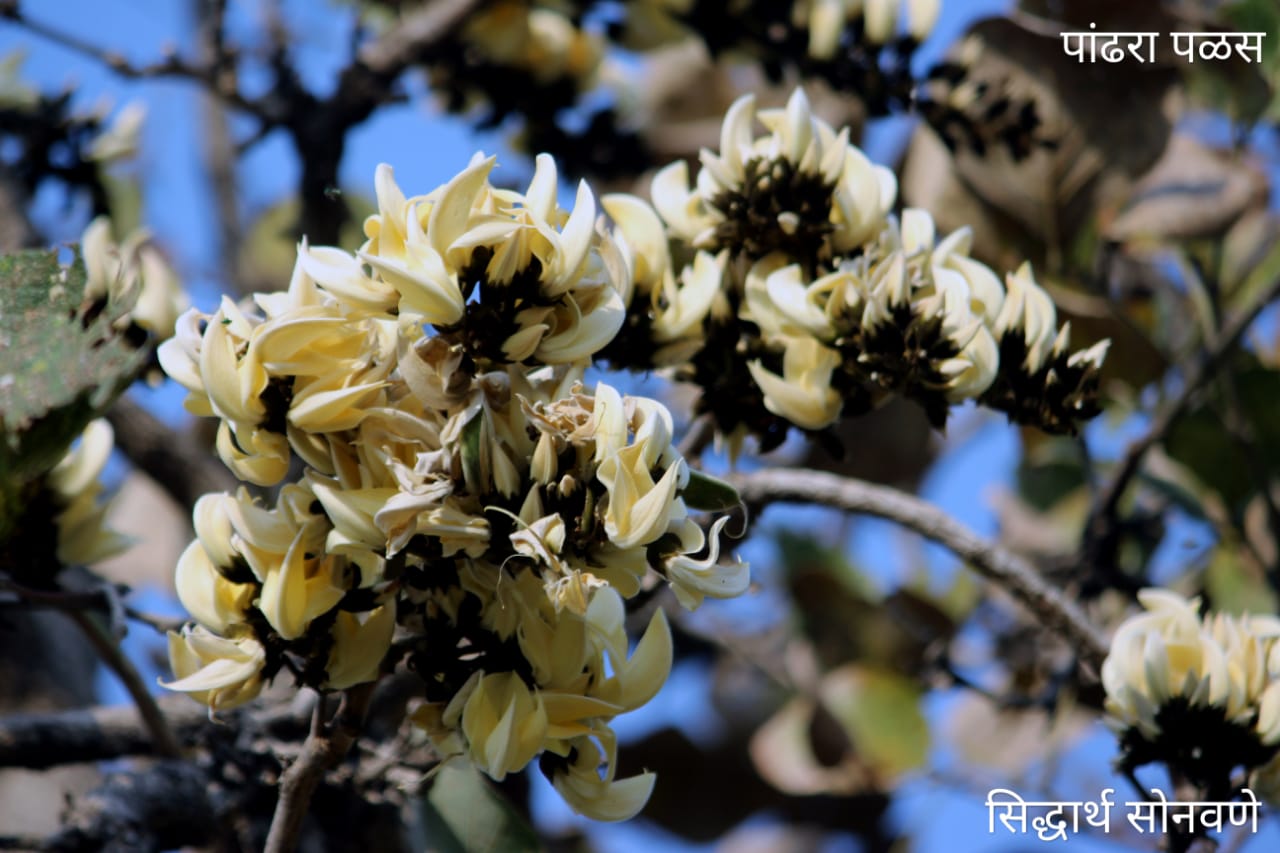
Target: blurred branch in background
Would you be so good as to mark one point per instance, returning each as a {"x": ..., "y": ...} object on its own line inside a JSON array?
[
  {"x": 1008, "y": 571},
  {"x": 1101, "y": 533}
]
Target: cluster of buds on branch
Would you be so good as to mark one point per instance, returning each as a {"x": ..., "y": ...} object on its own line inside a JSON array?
[
  {"x": 461, "y": 490},
  {"x": 1200, "y": 695},
  {"x": 804, "y": 298},
  {"x": 458, "y": 501}
]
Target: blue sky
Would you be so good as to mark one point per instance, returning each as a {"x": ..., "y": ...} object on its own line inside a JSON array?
[{"x": 426, "y": 150}]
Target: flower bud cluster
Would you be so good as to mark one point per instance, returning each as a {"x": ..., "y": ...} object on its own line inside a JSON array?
[
  {"x": 802, "y": 297},
  {"x": 76, "y": 492},
  {"x": 1200, "y": 694},
  {"x": 461, "y": 491},
  {"x": 134, "y": 274},
  {"x": 61, "y": 518},
  {"x": 517, "y": 56}
]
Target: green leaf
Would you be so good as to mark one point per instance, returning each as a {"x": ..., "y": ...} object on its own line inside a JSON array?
[
  {"x": 463, "y": 814},
  {"x": 1233, "y": 587},
  {"x": 1262, "y": 16},
  {"x": 1050, "y": 470},
  {"x": 1201, "y": 442},
  {"x": 880, "y": 711},
  {"x": 709, "y": 494},
  {"x": 59, "y": 367}
]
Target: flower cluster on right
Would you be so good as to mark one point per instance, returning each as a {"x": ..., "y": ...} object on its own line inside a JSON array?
[
  {"x": 1199, "y": 694},
  {"x": 780, "y": 282}
]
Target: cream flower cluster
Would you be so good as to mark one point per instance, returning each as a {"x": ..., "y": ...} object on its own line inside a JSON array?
[
  {"x": 539, "y": 41},
  {"x": 541, "y": 44},
  {"x": 134, "y": 272},
  {"x": 461, "y": 489},
  {"x": 60, "y": 516},
  {"x": 1202, "y": 694},
  {"x": 802, "y": 297},
  {"x": 76, "y": 492},
  {"x": 652, "y": 23}
]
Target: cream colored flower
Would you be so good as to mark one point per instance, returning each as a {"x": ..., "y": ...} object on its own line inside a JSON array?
[
  {"x": 83, "y": 537},
  {"x": 921, "y": 17},
  {"x": 254, "y": 455},
  {"x": 1029, "y": 313},
  {"x": 879, "y": 20},
  {"x": 505, "y": 724},
  {"x": 1161, "y": 654},
  {"x": 299, "y": 587},
  {"x": 214, "y": 602},
  {"x": 803, "y": 393},
  {"x": 847, "y": 197},
  {"x": 216, "y": 671},
  {"x": 677, "y": 307},
  {"x": 134, "y": 269},
  {"x": 974, "y": 367},
  {"x": 599, "y": 797},
  {"x": 120, "y": 140},
  {"x": 360, "y": 642},
  {"x": 640, "y": 509},
  {"x": 540, "y": 42},
  {"x": 692, "y": 580}
]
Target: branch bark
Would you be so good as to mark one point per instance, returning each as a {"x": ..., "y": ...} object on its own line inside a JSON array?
[
  {"x": 161, "y": 807},
  {"x": 52, "y": 739},
  {"x": 173, "y": 458},
  {"x": 38, "y": 741},
  {"x": 1004, "y": 568},
  {"x": 327, "y": 744}
]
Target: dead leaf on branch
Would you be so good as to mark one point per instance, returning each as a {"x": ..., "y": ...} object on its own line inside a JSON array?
[
  {"x": 1193, "y": 191},
  {"x": 1106, "y": 124}
]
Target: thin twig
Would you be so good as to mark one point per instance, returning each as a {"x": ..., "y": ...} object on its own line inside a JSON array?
[
  {"x": 327, "y": 744},
  {"x": 166, "y": 744},
  {"x": 702, "y": 430},
  {"x": 1009, "y": 571},
  {"x": 157, "y": 623},
  {"x": 174, "y": 459},
  {"x": 211, "y": 75},
  {"x": 1102, "y": 518}
]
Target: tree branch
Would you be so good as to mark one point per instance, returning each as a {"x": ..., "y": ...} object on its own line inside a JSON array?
[
  {"x": 53, "y": 739},
  {"x": 174, "y": 459},
  {"x": 327, "y": 744},
  {"x": 161, "y": 807},
  {"x": 109, "y": 650},
  {"x": 211, "y": 75},
  {"x": 1004, "y": 568},
  {"x": 1100, "y": 527},
  {"x": 40, "y": 741}
]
